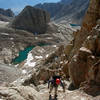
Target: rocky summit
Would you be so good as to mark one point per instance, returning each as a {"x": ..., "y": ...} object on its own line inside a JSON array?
[
  {"x": 7, "y": 12},
  {"x": 69, "y": 10},
  {"x": 32, "y": 19},
  {"x": 6, "y": 15},
  {"x": 30, "y": 60}
]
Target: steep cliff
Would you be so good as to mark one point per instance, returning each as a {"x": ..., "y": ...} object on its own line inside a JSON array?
[
  {"x": 85, "y": 54},
  {"x": 32, "y": 19}
]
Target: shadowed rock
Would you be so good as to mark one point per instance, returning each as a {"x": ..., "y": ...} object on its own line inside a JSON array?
[
  {"x": 32, "y": 19},
  {"x": 7, "y": 12}
]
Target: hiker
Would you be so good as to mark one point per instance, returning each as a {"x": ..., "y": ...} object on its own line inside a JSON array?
[{"x": 54, "y": 83}]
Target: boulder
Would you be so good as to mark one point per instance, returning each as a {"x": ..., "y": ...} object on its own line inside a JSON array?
[
  {"x": 65, "y": 69},
  {"x": 78, "y": 67},
  {"x": 19, "y": 93},
  {"x": 32, "y": 19},
  {"x": 90, "y": 43},
  {"x": 68, "y": 49},
  {"x": 92, "y": 86}
]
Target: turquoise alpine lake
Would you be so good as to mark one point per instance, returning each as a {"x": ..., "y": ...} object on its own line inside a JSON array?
[
  {"x": 24, "y": 53},
  {"x": 73, "y": 25}
]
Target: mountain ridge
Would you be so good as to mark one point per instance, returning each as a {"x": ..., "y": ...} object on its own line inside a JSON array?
[
  {"x": 6, "y": 12},
  {"x": 67, "y": 10}
]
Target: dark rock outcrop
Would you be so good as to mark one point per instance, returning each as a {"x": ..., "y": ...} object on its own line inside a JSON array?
[
  {"x": 32, "y": 19},
  {"x": 5, "y": 18},
  {"x": 7, "y": 12}
]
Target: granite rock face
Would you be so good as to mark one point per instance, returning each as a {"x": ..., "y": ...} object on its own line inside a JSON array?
[
  {"x": 90, "y": 20},
  {"x": 86, "y": 51},
  {"x": 19, "y": 93},
  {"x": 7, "y": 12},
  {"x": 32, "y": 19}
]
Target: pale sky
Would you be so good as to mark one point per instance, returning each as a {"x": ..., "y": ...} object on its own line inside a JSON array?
[{"x": 17, "y": 5}]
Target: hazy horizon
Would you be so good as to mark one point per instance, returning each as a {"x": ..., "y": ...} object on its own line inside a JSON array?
[{"x": 18, "y": 5}]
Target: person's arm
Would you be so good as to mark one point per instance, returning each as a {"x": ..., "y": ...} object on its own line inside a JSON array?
[
  {"x": 50, "y": 81},
  {"x": 48, "y": 84}
]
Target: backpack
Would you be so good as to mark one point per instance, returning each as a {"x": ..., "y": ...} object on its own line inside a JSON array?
[{"x": 57, "y": 81}]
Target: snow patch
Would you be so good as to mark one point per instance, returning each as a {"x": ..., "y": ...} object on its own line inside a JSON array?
[
  {"x": 24, "y": 71},
  {"x": 83, "y": 99},
  {"x": 66, "y": 62},
  {"x": 2, "y": 22},
  {"x": 1, "y": 99},
  {"x": 4, "y": 34},
  {"x": 75, "y": 59},
  {"x": 61, "y": 62},
  {"x": 54, "y": 46},
  {"x": 22, "y": 80},
  {"x": 29, "y": 59},
  {"x": 88, "y": 37},
  {"x": 47, "y": 56},
  {"x": 11, "y": 38},
  {"x": 17, "y": 65},
  {"x": 36, "y": 37},
  {"x": 49, "y": 37},
  {"x": 85, "y": 49},
  {"x": 38, "y": 57},
  {"x": 41, "y": 50},
  {"x": 69, "y": 91},
  {"x": 93, "y": 57}
]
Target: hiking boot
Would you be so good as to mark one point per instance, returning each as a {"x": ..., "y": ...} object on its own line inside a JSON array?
[
  {"x": 55, "y": 98},
  {"x": 50, "y": 97},
  {"x": 55, "y": 95}
]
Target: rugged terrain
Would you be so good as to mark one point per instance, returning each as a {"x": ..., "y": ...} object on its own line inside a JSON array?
[
  {"x": 7, "y": 12},
  {"x": 18, "y": 40},
  {"x": 6, "y": 15},
  {"x": 69, "y": 10},
  {"x": 75, "y": 56}
]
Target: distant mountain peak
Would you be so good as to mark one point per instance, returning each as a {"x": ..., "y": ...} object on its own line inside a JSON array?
[
  {"x": 7, "y": 12},
  {"x": 66, "y": 9}
]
